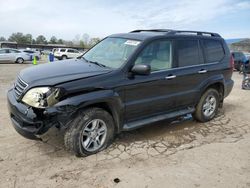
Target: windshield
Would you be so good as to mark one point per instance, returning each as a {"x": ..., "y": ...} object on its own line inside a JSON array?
[{"x": 112, "y": 52}]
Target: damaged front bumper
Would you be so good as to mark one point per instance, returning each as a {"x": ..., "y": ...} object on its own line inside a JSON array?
[{"x": 31, "y": 122}]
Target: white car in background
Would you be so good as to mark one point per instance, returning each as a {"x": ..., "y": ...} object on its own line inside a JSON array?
[
  {"x": 66, "y": 53},
  {"x": 32, "y": 53},
  {"x": 13, "y": 55}
]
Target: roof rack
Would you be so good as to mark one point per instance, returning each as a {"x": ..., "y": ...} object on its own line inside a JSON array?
[
  {"x": 195, "y": 33},
  {"x": 151, "y": 30},
  {"x": 180, "y": 32}
]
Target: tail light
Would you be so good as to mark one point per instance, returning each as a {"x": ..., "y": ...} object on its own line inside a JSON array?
[{"x": 231, "y": 62}]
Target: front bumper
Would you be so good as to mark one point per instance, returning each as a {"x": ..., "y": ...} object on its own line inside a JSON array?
[{"x": 27, "y": 121}]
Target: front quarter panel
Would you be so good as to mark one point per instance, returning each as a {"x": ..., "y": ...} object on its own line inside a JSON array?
[{"x": 69, "y": 108}]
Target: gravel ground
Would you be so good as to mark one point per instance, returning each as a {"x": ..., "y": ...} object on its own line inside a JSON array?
[{"x": 178, "y": 154}]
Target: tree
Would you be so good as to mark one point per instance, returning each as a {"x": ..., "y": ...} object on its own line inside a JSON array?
[
  {"x": 76, "y": 40},
  {"x": 21, "y": 38},
  {"x": 93, "y": 41},
  {"x": 18, "y": 37},
  {"x": 2, "y": 39},
  {"x": 85, "y": 38},
  {"x": 60, "y": 41},
  {"x": 41, "y": 40},
  {"x": 28, "y": 38},
  {"x": 82, "y": 44},
  {"x": 53, "y": 40}
]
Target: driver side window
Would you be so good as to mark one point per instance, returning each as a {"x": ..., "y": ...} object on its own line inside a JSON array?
[{"x": 157, "y": 54}]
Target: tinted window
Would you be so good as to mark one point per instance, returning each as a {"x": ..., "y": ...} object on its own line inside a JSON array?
[
  {"x": 187, "y": 52},
  {"x": 157, "y": 54},
  {"x": 14, "y": 51},
  {"x": 62, "y": 50},
  {"x": 28, "y": 51},
  {"x": 71, "y": 51},
  {"x": 3, "y": 51},
  {"x": 213, "y": 50}
]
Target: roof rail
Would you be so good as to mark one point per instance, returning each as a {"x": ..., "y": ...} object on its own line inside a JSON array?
[
  {"x": 175, "y": 32},
  {"x": 194, "y": 33},
  {"x": 151, "y": 30}
]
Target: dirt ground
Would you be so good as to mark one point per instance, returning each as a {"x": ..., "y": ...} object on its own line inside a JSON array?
[{"x": 178, "y": 154}]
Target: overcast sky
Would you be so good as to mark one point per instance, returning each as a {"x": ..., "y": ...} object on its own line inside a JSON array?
[{"x": 67, "y": 18}]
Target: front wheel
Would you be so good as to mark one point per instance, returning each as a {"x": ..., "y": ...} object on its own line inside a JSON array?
[
  {"x": 90, "y": 132},
  {"x": 207, "y": 106}
]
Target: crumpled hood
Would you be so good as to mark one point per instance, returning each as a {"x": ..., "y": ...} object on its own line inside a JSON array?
[{"x": 60, "y": 71}]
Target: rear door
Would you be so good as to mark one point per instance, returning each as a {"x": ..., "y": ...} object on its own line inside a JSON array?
[{"x": 190, "y": 72}]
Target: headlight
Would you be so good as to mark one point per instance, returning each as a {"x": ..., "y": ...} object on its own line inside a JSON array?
[{"x": 41, "y": 97}]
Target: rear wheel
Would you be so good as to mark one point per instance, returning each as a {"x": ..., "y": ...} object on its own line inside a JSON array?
[
  {"x": 64, "y": 57},
  {"x": 207, "y": 106},
  {"x": 19, "y": 60},
  {"x": 90, "y": 132}
]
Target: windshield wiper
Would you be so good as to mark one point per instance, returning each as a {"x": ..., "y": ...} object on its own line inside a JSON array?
[{"x": 95, "y": 62}]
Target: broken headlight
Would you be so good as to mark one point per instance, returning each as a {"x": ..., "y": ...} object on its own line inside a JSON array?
[{"x": 41, "y": 97}]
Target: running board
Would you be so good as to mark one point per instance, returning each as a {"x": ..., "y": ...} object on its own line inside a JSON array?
[{"x": 139, "y": 123}]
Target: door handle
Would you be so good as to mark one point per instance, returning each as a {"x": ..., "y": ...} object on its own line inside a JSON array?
[
  {"x": 170, "y": 77},
  {"x": 202, "y": 71}
]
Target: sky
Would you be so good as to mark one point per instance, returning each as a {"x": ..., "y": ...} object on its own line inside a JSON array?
[{"x": 68, "y": 18}]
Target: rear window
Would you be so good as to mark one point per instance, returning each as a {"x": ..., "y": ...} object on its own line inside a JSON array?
[
  {"x": 213, "y": 50},
  {"x": 70, "y": 51},
  {"x": 187, "y": 52}
]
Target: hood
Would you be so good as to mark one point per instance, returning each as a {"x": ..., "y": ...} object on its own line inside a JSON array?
[{"x": 57, "y": 72}]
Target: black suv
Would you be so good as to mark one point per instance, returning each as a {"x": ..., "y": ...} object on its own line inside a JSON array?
[{"x": 124, "y": 82}]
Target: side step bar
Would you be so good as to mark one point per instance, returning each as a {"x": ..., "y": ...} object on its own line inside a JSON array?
[{"x": 139, "y": 123}]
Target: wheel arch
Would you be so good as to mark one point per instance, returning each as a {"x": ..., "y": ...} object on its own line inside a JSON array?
[
  {"x": 217, "y": 85},
  {"x": 19, "y": 57},
  {"x": 110, "y": 108},
  {"x": 104, "y": 99}
]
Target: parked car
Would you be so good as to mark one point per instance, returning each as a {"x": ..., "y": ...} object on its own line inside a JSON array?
[
  {"x": 124, "y": 82},
  {"x": 45, "y": 52},
  {"x": 66, "y": 53},
  {"x": 13, "y": 55},
  {"x": 32, "y": 54},
  {"x": 239, "y": 59},
  {"x": 247, "y": 55}
]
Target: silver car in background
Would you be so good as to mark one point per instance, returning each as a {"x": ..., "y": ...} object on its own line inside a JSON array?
[
  {"x": 32, "y": 53},
  {"x": 13, "y": 55}
]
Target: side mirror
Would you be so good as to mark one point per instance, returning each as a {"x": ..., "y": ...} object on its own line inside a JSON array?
[{"x": 141, "y": 69}]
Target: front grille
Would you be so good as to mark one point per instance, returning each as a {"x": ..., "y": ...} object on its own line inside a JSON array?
[{"x": 19, "y": 87}]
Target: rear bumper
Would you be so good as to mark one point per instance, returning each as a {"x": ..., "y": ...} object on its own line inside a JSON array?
[{"x": 228, "y": 87}]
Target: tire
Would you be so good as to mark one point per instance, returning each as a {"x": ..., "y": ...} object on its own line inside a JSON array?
[
  {"x": 19, "y": 60},
  {"x": 202, "y": 113},
  {"x": 80, "y": 133},
  {"x": 64, "y": 57}
]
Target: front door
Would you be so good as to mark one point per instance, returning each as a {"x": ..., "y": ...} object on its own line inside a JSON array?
[
  {"x": 148, "y": 95},
  {"x": 4, "y": 55}
]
